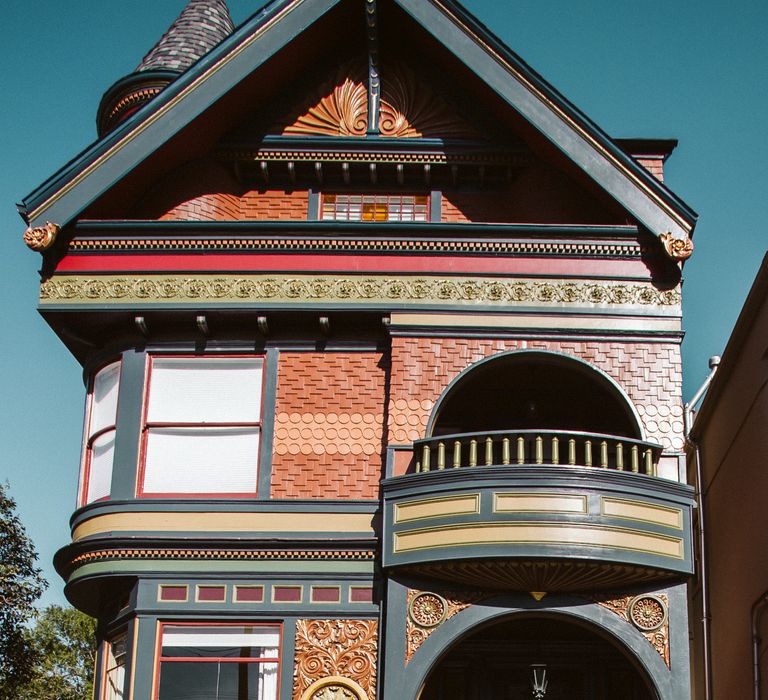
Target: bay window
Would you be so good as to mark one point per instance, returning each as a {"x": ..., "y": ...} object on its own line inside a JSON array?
[
  {"x": 114, "y": 668},
  {"x": 218, "y": 661},
  {"x": 99, "y": 452},
  {"x": 202, "y": 426}
]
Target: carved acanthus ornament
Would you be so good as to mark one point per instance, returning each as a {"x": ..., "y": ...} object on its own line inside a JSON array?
[
  {"x": 335, "y": 660},
  {"x": 677, "y": 248},
  {"x": 408, "y": 109},
  {"x": 648, "y": 613},
  {"x": 340, "y": 110},
  {"x": 40, "y": 238},
  {"x": 428, "y": 610}
]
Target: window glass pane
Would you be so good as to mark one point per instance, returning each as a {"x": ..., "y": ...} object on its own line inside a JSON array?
[
  {"x": 192, "y": 390},
  {"x": 104, "y": 398},
  {"x": 201, "y": 460},
  {"x": 114, "y": 680},
  {"x": 251, "y": 642},
  {"x": 218, "y": 681},
  {"x": 102, "y": 457}
]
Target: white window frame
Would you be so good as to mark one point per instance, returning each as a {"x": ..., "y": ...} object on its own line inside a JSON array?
[
  {"x": 200, "y": 629},
  {"x": 91, "y": 436},
  {"x": 114, "y": 674},
  {"x": 200, "y": 427}
]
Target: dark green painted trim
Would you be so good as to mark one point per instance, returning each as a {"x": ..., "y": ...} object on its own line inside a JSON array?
[
  {"x": 130, "y": 408},
  {"x": 105, "y": 228},
  {"x": 269, "y": 393},
  {"x": 313, "y": 206}
]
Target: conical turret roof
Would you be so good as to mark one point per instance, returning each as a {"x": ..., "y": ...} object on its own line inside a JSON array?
[{"x": 201, "y": 25}]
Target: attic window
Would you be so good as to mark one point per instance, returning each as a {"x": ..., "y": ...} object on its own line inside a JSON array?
[{"x": 374, "y": 207}]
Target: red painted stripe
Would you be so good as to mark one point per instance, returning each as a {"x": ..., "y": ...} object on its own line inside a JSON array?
[{"x": 113, "y": 264}]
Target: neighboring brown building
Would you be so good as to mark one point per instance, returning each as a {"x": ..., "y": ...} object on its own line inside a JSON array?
[
  {"x": 731, "y": 432},
  {"x": 382, "y": 346}
]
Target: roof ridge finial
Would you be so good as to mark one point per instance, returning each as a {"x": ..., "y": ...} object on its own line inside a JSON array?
[{"x": 201, "y": 25}]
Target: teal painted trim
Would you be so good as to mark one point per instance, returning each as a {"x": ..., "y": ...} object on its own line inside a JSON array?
[
  {"x": 269, "y": 393},
  {"x": 103, "y": 228},
  {"x": 313, "y": 206},
  {"x": 159, "y": 567},
  {"x": 288, "y": 659},
  {"x": 436, "y": 207},
  {"x": 546, "y": 355},
  {"x": 128, "y": 426}
]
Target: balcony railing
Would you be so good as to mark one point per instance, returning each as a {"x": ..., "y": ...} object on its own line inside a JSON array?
[{"x": 530, "y": 447}]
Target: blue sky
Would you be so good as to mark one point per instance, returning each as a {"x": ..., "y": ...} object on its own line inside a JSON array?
[{"x": 693, "y": 70}]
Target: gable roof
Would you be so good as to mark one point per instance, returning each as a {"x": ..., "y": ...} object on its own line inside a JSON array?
[{"x": 69, "y": 191}]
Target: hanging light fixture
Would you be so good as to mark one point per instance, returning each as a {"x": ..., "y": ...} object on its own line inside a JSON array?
[{"x": 540, "y": 682}]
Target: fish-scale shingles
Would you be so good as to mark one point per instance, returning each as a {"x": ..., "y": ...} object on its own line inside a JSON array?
[{"x": 201, "y": 25}]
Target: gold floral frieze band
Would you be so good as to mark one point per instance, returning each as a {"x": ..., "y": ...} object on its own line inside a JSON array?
[{"x": 194, "y": 289}]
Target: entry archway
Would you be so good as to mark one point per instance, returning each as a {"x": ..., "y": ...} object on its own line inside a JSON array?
[{"x": 495, "y": 662}]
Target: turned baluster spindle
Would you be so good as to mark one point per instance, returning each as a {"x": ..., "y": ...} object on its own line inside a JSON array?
[
  {"x": 488, "y": 451},
  {"x": 571, "y": 451},
  {"x": 456, "y": 454},
  {"x": 588, "y": 453},
  {"x": 635, "y": 459},
  {"x": 440, "y": 456},
  {"x": 555, "y": 450},
  {"x": 425, "y": 458},
  {"x": 521, "y": 450},
  {"x": 620, "y": 456},
  {"x": 649, "y": 463},
  {"x": 505, "y": 451},
  {"x": 604, "y": 454},
  {"x": 473, "y": 453},
  {"x": 539, "y": 449}
]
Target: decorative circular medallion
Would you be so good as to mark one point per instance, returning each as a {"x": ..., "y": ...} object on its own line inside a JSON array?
[
  {"x": 647, "y": 612},
  {"x": 334, "y": 688},
  {"x": 428, "y": 609}
]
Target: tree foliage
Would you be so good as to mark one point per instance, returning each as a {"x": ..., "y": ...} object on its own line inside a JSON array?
[
  {"x": 21, "y": 584},
  {"x": 64, "y": 640}
]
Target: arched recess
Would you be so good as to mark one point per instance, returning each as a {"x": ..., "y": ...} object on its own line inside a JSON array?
[
  {"x": 661, "y": 684},
  {"x": 534, "y": 389}
]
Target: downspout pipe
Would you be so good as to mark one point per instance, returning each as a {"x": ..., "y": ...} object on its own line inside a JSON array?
[
  {"x": 757, "y": 611},
  {"x": 714, "y": 361}
]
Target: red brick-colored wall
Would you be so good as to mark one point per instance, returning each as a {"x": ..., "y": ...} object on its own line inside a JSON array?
[
  {"x": 328, "y": 425},
  {"x": 269, "y": 205},
  {"x": 537, "y": 195},
  {"x": 649, "y": 373}
]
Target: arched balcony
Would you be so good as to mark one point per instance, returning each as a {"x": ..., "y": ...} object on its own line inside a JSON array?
[
  {"x": 535, "y": 408},
  {"x": 535, "y": 474}
]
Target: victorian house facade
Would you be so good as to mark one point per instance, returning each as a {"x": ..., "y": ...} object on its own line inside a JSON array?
[{"x": 381, "y": 338}]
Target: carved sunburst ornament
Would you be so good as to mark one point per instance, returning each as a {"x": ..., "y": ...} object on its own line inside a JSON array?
[
  {"x": 428, "y": 609},
  {"x": 647, "y": 613}
]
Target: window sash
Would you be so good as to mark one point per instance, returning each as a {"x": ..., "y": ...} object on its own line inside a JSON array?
[
  {"x": 100, "y": 431},
  {"x": 194, "y": 443},
  {"x": 375, "y": 207},
  {"x": 114, "y": 668}
]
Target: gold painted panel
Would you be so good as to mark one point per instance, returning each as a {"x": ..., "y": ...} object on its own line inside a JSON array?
[
  {"x": 644, "y": 512},
  {"x": 539, "y": 503},
  {"x": 224, "y": 522},
  {"x": 437, "y": 508},
  {"x": 200, "y": 288},
  {"x": 539, "y": 533}
]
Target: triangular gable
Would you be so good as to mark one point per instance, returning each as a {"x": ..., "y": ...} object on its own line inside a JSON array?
[{"x": 98, "y": 168}]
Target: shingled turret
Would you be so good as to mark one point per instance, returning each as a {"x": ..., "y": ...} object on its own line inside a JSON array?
[{"x": 201, "y": 25}]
